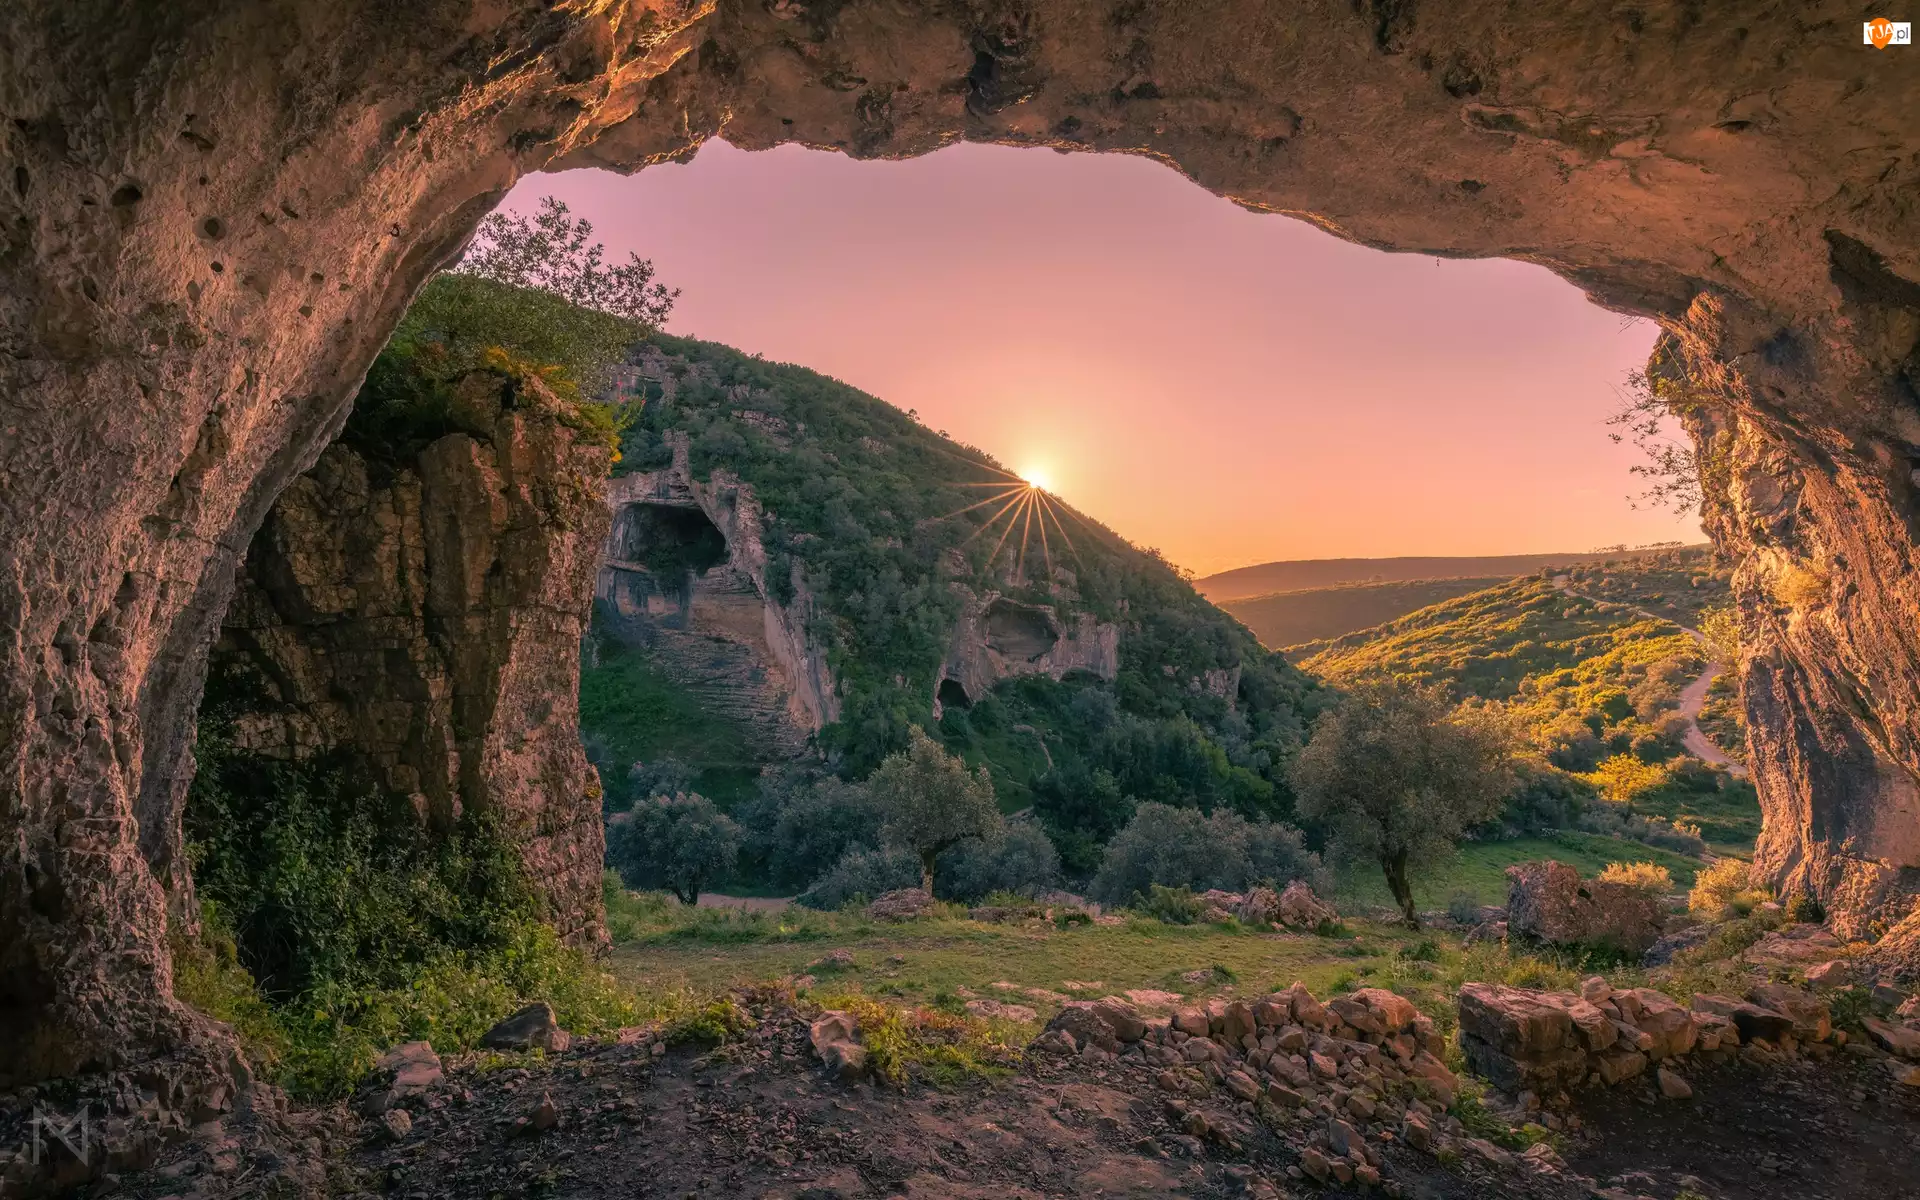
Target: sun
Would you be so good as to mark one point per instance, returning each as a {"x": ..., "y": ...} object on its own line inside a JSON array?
[{"x": 1037, "y": 478}]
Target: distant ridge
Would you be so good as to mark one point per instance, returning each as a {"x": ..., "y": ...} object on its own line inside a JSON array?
[{"x": 1295, "y": 575}]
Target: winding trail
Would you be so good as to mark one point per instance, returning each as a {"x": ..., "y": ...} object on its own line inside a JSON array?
[{"x": 1693, "y": 697}]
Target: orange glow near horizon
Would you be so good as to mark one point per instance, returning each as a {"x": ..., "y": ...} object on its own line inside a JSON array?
[{"x": 1227, "y": 386}]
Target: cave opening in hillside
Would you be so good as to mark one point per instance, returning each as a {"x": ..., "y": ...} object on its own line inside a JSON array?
[{"x": 671, "y": 542}]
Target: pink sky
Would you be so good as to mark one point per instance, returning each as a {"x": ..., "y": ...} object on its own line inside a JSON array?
[{"x": 1230, "y": 387}]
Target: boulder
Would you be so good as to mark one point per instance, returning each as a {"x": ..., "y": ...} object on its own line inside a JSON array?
[
  {"x": 1299, "y": 908},
  {"x": 1796, "y": 947},
  {"x": 1834, "y": 973},
  {"x": 1236, "y": 1022},
  {"x": 532, "y": 1028},
  {"x": 1088, "y": 1028},
  {"x": 903, "y": 905},
  {"x": 1549, "y": 902},
  {"x": 1393, "y": 1013},
  {"x": 408, "y": 1069},
  {"x": 1900, "y": 1040},
  {"x": 1594, "y": 990},
  {"x": 1754, "y": 1021},
  {"x": 1812, "y": 1019},
  {"x": 1669, "y": 1025},
  {"x": 1672, "y": 1086},
  {"x": 1120, "y": 1017},
  {"x": 1662, "y": 952},
  {"x": 835, "y": 1038},
  {"x": 1001, "y": 1009},
  {"x": 1261, "y": 906},
  {"x": 1518, "y": 1039}
]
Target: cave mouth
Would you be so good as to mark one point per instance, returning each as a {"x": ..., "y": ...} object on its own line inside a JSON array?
[
  {"x": 1019, "y": 631},
  {"x": 669, "y": 541},
  {"x": 953, "y": 694}
]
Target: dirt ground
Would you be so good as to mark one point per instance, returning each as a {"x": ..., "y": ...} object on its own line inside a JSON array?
[
  {"x": 760, "y": 1120},
  {"x": 1841, "y": 1130}
]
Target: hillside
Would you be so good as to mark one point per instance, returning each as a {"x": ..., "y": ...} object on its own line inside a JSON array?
[
  {"x": 1592, "y": 684},
  {"x": 1284, "y": 619},
  {"x": 1264, "y": 579},
  {"x": 918, "y": 577}
]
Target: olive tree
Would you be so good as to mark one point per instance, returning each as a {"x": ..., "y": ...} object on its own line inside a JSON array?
[
  {"x": 929, "y": 802},
  {"x": 680, "y": 843},
  {"x": 1395, "y": 777}
]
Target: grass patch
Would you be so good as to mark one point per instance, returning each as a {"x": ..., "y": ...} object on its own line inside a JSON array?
[
  {"x": 929, "y": 1044},
  {"x": 1479, "y": 870},
  {"x": 630, "y": 712}
]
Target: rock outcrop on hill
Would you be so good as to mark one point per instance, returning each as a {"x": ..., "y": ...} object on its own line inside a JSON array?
[
  {"x": 425, "y": 618},
  {"x": 214, "y": 215},
  {"x": 714, "y": 626}
]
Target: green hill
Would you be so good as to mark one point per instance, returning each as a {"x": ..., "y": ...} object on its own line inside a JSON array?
[
  {"x": 1587, "y": 670},
  {"x": 892, "y": 528},
  {"x": 1263, "y": 579},
  {"x": 1285, "y": 619}
]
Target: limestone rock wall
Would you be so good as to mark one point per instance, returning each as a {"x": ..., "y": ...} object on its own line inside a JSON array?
[
  {"x": 427, "y": 619},
  {"x": 722, "y": 631},
  {"x": 997, "y": 639},
  {"x": 211, "y": 215}
]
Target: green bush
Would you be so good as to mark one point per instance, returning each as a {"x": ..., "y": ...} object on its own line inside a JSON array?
[
  {"x": 1023, "y": 863},
  {"x": 862, "y": 875},
  {"x": 680, "y": 843},
  {"x": 1172, "y": 905},
  {"x": 1184, "y": 847}
]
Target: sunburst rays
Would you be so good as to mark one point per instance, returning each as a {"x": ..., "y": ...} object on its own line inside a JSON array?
[{"x": 1024, "y": 505}]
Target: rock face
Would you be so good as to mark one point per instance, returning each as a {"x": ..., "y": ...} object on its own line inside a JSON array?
[
  {"x": 1545, "y": 1042},
  {"x": 712, "y": 624},
  {"x": 1548, "y": 901},
  {"x": 426, "y": 618},
  {"x": 998, "y": 638},
  {"x": 214, "y": 217}
]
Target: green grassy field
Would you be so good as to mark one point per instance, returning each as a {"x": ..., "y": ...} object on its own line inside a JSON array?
[
  {"x": 1285, "y": 619},
  {"x": 944, "y": 960},
  {"x": 1479, "y": 869}
]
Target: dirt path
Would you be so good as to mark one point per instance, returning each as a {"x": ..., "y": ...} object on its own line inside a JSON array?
[{"x": 1692, "y": 698}]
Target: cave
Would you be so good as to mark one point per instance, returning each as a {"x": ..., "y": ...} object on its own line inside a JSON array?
[
  {"x": 953, "y": 694},
  {"x": 671, "y": 542},
  {"x": 1019, "y": 631},
  {"x": 212, "y": 217}
]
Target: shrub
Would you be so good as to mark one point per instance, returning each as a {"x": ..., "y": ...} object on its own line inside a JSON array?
[
  {"x": 1183, "y": 847},
  {"x": 1716, "y": 888},
  {"x": 1803, "y": 907},
  {"x": 798, "y": 823},
  {"x": 1024, "y": 863},
  {"x": 1464, "y": 907},
  {"x": 862, "y": 874},
  {"x": 1623, "y": 778},
  {"x": 1174, "y": 906},
  {"x": 680, "y": 843},
  {"x": 1646, "y": 876}
]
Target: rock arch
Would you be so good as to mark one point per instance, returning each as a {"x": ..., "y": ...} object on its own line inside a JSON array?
[{"x": 212, "y": 214}]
